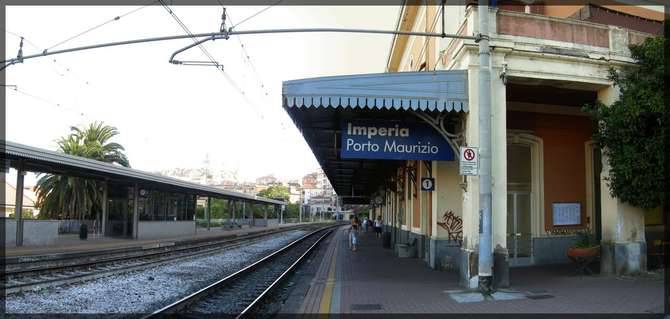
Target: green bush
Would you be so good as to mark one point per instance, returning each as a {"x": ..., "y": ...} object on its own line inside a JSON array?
[{"x": 631, "y": 131}]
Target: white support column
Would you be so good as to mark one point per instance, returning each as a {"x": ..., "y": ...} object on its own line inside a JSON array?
[
  {"x": 469, "y": 249},
  {"x": 499, "y": 177},
  {"x": 18, "y": 205},
  {"x": 623, "y": 232}
]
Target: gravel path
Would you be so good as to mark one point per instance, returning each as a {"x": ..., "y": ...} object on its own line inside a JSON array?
[{"x": 145, "y": 290}]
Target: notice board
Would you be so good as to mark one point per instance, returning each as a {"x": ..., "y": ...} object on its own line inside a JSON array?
[{"x": 566, "y": 214}]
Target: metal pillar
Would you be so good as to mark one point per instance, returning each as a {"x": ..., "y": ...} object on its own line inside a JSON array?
[
  {"x": 103, "y": 222},
  {"x": 18, "y": 205},
  {"x": 300, "y": 213},
  {"x": 207, "y": 210},
  {"x": 265, "y": 215},
  {"x": 136, "y": 211},
  {"x": 485, "y": 199}
]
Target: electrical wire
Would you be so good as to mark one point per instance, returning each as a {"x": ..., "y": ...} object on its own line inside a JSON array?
[
  {"x": 248, "y": 61},
  {"x": 47, "y": 101},
  {"x": 55, "y": 70},
  {"x": 253, "y": 15},
  {"x": 211, "y": 59},
  {"x": 117, "y": 18}
]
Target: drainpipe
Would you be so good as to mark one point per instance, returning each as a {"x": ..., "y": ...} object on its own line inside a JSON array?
[{"x": 485, "y": 201}]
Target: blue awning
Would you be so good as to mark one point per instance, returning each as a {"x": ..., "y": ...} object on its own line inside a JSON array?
[{"x": 425, "y": 91}]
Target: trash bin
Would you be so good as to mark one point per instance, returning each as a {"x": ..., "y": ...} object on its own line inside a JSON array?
[
  {"x": 386, "y": 240},
  {"x": 83, "y": 232}
]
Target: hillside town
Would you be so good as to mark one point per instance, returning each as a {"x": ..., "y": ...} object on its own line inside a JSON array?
[{"x": 313, "y": 191}]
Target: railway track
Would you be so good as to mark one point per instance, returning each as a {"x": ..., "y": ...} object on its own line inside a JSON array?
[
  {"x": 24, "y": 276},
  {"x": 240, "y": 293}
]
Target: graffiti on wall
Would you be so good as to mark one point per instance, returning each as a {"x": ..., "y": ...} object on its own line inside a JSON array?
[{"x": 453, "y": 225}]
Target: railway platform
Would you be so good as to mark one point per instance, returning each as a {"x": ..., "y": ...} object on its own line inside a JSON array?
[
  {"x": 71, "y": 244},
  {"x": 373, "y": 280}
]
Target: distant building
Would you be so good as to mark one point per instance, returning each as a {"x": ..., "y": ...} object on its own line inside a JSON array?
[
  {"x": 267, "y": 180},
  {"x": 295, "y": 192},
  {"x": 9, "y": 201}
]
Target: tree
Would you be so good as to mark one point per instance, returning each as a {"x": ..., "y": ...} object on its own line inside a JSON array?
[
  {"x": 75, "y": 197},
  {"x": 277, "y": 192},
  {"x": 630, "y": 132}
]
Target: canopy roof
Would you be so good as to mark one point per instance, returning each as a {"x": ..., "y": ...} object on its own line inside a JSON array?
[
  {"x": 45, "y": 161},
  {"x": 318, "y": 106},
  {"x": 424, "y": 91}
]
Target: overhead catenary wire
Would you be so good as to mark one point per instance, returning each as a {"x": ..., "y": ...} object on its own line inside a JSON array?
[
  {"x": 253, "y": 15},
  {"x": 116, "y": 18},
  {"x": 209, "y": 56},
  {"x": 68, "y": 69},
  {"x": 15, "y": 88},
  {"x": 249, "y": 62}
]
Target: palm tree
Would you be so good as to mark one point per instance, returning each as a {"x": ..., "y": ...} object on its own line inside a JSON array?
[{"x": 75, "y": 197}]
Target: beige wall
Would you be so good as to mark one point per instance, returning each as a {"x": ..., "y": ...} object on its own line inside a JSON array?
[{"x": 447, "y": 194}]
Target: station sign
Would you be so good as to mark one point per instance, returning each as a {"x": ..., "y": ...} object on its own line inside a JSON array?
[
  {"x": 393, "y": 140},
  {"x": 427, "y": 184},
  {"x": 469, "y": 161}
]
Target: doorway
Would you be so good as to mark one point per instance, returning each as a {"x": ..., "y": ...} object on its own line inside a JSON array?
[
  {"x": 519, "y": 204},
  {"x": 119, "y": 210}
]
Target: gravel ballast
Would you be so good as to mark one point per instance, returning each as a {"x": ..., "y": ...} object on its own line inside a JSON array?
[{"x": 145, "y": 290}]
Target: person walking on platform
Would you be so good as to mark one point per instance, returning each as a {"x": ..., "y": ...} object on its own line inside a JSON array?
[
  {"x": 378, "y": 226},
  {"x": 353, "y": 234},
  {"x": 365, "y": 224}
]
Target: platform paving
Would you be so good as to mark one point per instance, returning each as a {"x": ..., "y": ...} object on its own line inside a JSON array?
[
  {"x": 70, "y": 243},
  {"x": 372, "y": 280}
]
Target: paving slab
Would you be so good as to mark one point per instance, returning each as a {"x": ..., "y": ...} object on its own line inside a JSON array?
[{"x": 374, "y": 281}]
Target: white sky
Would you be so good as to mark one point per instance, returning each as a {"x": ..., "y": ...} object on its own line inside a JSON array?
[{"x": 174, "y": 116}]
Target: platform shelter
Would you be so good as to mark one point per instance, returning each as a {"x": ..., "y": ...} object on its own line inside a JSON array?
[{"x": 137, "y": 204}]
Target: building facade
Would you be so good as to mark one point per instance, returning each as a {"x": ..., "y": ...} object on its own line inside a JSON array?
[{"x": 548, "y": 179}]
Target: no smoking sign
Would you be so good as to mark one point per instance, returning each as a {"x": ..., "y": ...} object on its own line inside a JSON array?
[{"x": 469, "y": 161}]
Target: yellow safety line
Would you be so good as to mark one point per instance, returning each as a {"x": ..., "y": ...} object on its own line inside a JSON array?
[{"x": 327, "y": 296}]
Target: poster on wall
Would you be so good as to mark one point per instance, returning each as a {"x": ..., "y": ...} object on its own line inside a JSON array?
[{"x": 566, "y": 214}]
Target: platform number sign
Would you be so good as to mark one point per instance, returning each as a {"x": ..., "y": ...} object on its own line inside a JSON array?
[
  {"x": 427, "y": 184},
  {"x": 469, "y": 161}
]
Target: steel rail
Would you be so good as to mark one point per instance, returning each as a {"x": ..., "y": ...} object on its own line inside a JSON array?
[
  {"x": 134, "y": 253},
  {"x": 225, "y": 34},
  {"x": 83, "y": 275},
  {"x": 82, "y": 271},
  {"x": 281, "y": 277},
  {"x": 184, "y": 302}
]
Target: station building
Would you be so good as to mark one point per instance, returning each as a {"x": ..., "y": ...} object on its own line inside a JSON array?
[{"x": 371, "y": 135}]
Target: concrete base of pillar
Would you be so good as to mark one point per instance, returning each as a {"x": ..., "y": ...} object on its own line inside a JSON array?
[
  {"x": 468, "y": 269},
  {"x": 444, "y": 254},
  {"x": 500, "y": 268},
  {"x": 419, "y": 244},
  {"x": 623, "y": 258}
]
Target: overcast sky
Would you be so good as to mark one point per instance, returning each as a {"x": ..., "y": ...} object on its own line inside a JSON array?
[{"x": 175, "y": 116}]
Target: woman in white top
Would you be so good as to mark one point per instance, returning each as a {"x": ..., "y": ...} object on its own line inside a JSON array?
[{"x": 378, "y": 226}]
